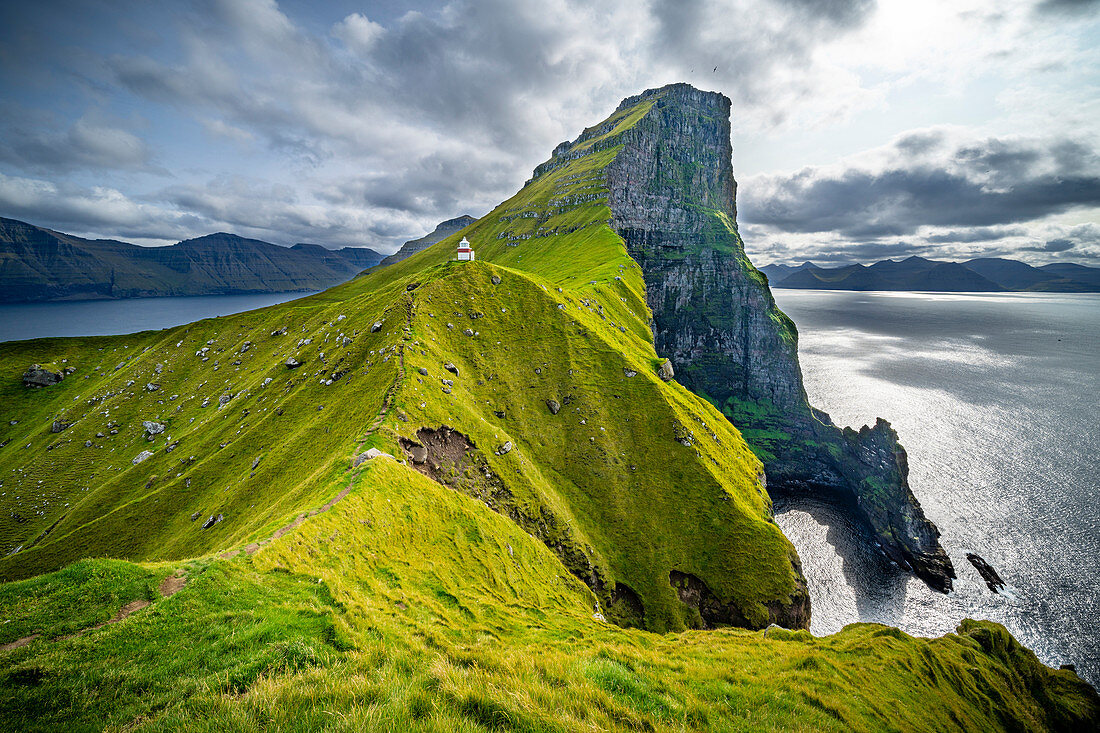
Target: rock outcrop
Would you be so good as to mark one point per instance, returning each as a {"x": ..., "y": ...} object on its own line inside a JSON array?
[
  {"x": 672, "y": 197},
  {"x": 39, "y": 376}
]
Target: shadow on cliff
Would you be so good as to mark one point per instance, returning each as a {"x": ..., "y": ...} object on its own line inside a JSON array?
[{"x": 879, "y": 587}]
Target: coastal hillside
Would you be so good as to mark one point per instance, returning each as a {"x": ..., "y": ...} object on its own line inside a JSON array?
[
  {"x": 462, "y": 496},
  {"x": 38, "y": 265}
]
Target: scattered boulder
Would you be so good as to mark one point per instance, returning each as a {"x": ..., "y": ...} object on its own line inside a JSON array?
[
  {"x": 145, "y": 454},
  {"x": 246, "y": 346},
  {"x": 38, "y": 376},
  {"x": 292, "y": 363},
  {"x": 506, "y": 448},
  {"x": 554, "y": 406},
  {"x": 495, "y": 279},
  {"x": 87, "y": 444},
  {"x": 60, "y": 425},
  {"x": 469, "y": 332},
  {"x": 423, "y": 371},
  {"x": 665, "y": 372},
  {"x": 376, "y": 327},
  {"x": 158, "y": 368},
  {"x": 449, "y": 382},
  {"x": 279, "y": 331},
  {"x": 370, "y": 455},
  {"x": 418, "y": 454},
  {"x": 152, "y": 387},
  {"x": 196, "y": 515},
  {"x": 152, "y": 428},
  {"x": 451, "y": 368},
  {"x": 412, "y": 286},
  {"x": 212, "y": 521},
  {"x": 630, "y": 372},
  {"x": 224, "y": 399}
]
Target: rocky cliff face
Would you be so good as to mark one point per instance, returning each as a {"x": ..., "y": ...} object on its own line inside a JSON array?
[{"x": 672, "y": 200}]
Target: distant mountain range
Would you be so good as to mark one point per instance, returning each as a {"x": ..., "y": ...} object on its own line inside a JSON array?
[
  {"x": 38, "y": 264},
  {"x": 444, "y": 230},
  {"x": 984, "y": 275}
]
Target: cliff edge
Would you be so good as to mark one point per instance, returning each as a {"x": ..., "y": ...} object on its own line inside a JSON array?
[{"x": 672, "y": 196}]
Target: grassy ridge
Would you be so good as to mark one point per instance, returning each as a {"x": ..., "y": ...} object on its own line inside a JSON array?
[{"x": 409, "y": 606}]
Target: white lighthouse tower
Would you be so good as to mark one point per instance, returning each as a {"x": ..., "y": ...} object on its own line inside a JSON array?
[{"x": 465, "y": 253}]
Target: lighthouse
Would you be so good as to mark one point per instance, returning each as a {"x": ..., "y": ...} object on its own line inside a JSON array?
[{"x": 465, "y": 253}]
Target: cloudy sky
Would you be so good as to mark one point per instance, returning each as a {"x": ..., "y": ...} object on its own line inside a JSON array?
[{"x": 862, "y": 129}]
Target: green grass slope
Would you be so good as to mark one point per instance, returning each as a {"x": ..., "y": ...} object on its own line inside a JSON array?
[{"x": 409, "y": 606}]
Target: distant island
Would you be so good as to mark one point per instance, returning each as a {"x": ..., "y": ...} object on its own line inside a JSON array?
[
  {"x": 40, "y": 265},
  {"x": 984, "y": 275}
]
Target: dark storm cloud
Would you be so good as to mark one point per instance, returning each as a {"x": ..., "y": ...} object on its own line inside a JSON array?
[
  {"x": 1054, "y": 245},
  {"x": 36, "y": 141},
  {"x": 977, "y": 234},
  {"x": 983, "y": 184},
  {"x": 1066, "y": 7}
]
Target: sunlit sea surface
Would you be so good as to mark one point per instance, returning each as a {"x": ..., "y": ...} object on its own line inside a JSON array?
[
  {"x": 108, "y": 317},
  {"x": 997, "y": 401}
]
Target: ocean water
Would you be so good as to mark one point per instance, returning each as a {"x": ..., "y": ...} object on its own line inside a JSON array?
[
  {"x": 110, "y": 317},
  {"x": 996, "y": 399}
]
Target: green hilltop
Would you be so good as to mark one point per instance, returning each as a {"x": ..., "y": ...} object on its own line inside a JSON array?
[{"x": 541, "y": 549}]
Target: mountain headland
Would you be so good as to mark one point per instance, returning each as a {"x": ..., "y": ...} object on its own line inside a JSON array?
[
  {"x": 38, "y": 265},
  {"x": 527, "y": 492}
]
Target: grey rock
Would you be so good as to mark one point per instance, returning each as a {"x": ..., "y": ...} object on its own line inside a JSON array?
[
  {"x": 37, "y": 376},
  {"x": 506, "y": 448},
  {"x": 369, "y": 455},
  {"x": 87, "y": 444},
  {"x": 60, "y": 425},
  {"x": 152, "y": 428},
  {"x": 468, "y": 332},
  {"x": 224, "y": 399},
  {"x": 255, "y": 462},
  {"x": 279, "y": 331},
  {"x": 418, "y": 454},
  {"x": 245, "y": 346},
  {"x": 630, "y": 372},
  {"x": 554, "y": 406},
  {"x": 159, "y": 368},
  {"x": 495, "y": 279},
  {"x": 666, "y": 372},
  {"x": 376, "y": 327},
  {"x": 145, "y": 454},
  {"x": 212, "y": 521},
  {"x": 292, "y": 363},
  {"x": 451, "y": 368},
  {"x": 423, "y": 371},
  {"x": 196, "y": 515},
  {"x": 152, "y": 387},
  {"x": 449, "y": 382}
]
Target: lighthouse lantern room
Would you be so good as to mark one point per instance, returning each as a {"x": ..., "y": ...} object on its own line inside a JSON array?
[{"x": 465, "y": 252}]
